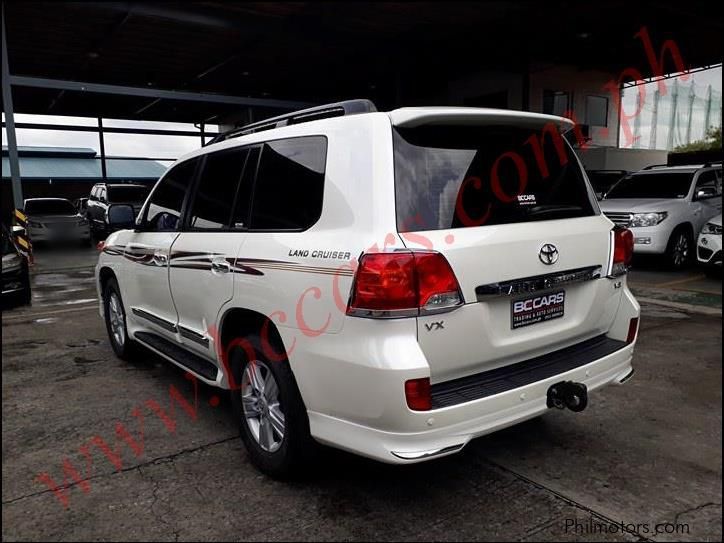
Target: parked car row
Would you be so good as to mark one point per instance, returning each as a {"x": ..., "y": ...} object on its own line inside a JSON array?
[
  {"x": 15, "y": 275},
  {"x": 666, "y": 208},
  {"x": 105, "y": 195},
  {"x": 59, "y": 220}
]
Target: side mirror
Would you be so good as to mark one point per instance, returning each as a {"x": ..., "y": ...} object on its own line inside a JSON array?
[
  {"x": 121, "y": 216},
  {"x": 706, "y": 192}
]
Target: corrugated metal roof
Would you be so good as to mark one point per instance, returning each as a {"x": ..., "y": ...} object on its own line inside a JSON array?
[
  {"x": 36, "y": 150},
  {"x": 83, "y": 168}
]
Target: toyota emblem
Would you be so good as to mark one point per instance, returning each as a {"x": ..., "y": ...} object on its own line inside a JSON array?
[{"x": 548, "y": 254}]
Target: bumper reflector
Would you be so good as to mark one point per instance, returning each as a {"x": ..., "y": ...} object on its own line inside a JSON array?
[{"x": 417, "y": 394}]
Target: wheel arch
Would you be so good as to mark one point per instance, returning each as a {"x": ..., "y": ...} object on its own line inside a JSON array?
[
  {"x": 685, "y": 226},
  {"x": 237, "y": 323},
  {"x": 105, "y": 274}
]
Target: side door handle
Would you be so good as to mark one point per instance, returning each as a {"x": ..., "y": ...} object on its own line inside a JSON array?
[
  {"x": 160, "y": 258},
  {"x": 220, "y": 265}
]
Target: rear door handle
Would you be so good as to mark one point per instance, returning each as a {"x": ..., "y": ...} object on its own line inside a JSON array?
[{"x": 220, "y": 265}]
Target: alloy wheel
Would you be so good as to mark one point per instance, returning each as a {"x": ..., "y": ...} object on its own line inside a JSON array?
[
  {"x": 261, "y": 406},
  {"x": 117, "y": 321},
  {"x": 681, "y": 250}
]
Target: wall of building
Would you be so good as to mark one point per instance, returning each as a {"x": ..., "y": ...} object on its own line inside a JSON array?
[
  {"x": 579, "y": 84},
  {"x": 476, "y": 89},
  {"x": 613, "y": 158}
]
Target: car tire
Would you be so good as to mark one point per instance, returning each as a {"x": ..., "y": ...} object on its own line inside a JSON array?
[
  {"x": 272, "y": 418},
  {"x": 680, "y": 249},
  {"x": 115, "y": 316}
]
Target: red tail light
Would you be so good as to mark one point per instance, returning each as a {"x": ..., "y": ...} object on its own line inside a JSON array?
[
  {"x": 101, "y": 245},
  {"x": 417, "y": 394},
  {"x": 623, "y": 245},
  {"x": 633, "y": 330},
  {"x": 403, "y": 283}
]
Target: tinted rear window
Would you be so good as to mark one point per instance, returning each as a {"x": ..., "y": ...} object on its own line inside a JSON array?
[
  {"x": 127, "y": 194},
  {"x": 49, "y": 207},
  {"x": 459, "y": 176}
]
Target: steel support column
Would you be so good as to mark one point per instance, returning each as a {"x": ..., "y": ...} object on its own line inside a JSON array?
[
  {"x": 102, "y": 141},
  {"x": 10, "y": 123}
]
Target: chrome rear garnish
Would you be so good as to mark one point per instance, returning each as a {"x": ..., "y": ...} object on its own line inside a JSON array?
[{"x": 537, "y": 283}]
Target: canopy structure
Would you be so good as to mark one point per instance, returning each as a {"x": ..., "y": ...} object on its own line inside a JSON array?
[{"x": 229, "y": 63}]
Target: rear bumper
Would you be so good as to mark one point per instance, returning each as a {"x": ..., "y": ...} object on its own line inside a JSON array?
[
  {"x": 352, "y": 382},
  {"x": 80, "y": 233},
  {"x": 451, "y": 428}
]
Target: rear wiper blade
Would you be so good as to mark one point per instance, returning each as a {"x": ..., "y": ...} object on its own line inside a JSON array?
[{"x": 553, "y": 209}]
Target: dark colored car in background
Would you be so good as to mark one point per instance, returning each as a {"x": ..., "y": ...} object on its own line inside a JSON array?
[
  {"x": 81, "y": 205},
  {"x": 603, "y": 180},
  {"x": 104, "y": 195},
  {"x": 15, "y": 275}
]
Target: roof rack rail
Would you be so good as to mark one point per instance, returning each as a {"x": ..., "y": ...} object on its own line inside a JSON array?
[
  {"x": 337, "y": 109},
  {"x": 652, "y": 166},
  {"x": 712, "y": 163}
]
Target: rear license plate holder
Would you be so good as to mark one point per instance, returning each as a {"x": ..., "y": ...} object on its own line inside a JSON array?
[{"x": 537, "y": 308}]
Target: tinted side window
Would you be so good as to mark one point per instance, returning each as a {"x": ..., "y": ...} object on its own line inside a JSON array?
[
  {"x": 240, "y": 220},
  {"x": 164, "y": 206},
  {"x": 217, "y": 189},
  {"x": 290, "y": 184},
  {"x": 709, "y": 180}
]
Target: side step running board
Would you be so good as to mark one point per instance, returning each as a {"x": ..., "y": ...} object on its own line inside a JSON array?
[{"x": 195, "y": 363}]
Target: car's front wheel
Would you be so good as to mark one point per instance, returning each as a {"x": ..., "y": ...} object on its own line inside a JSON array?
[
  {"x": 680, "y": 249},
  {"x": 272, "y": 418}
]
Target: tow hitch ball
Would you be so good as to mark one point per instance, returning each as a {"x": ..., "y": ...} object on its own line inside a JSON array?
[{"x": 568, "y": 394}]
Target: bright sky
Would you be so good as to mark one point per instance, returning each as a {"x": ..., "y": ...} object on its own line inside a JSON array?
[{"x": 141, "y": 145}]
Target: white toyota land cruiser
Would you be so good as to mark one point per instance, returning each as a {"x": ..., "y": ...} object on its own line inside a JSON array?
[{"x": 393, "y": 284}]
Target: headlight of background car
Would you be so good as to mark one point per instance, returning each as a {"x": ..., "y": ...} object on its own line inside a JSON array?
[
  {"x": 711, "y": 228},
  {"x": 34, "y": 224},
  {"x": 647, "y": 219}
]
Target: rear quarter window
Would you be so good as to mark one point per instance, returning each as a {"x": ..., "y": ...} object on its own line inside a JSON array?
[{"x": 289, "y": 186}]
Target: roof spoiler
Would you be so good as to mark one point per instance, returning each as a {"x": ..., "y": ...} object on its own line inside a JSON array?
[
  {"x": 337, "y": 109},
  {"x": 418, "y": 116}
]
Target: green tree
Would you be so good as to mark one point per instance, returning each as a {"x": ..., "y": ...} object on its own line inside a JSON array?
[{"x": 711, "y": 142}]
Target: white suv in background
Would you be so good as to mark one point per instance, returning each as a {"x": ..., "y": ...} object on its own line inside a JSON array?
[
  {"x": 666, "y": 207},
  {"x": 393, "y": 284},
  {"x": 709, "y": 244}
]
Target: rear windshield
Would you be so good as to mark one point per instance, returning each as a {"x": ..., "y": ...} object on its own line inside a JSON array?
[
  {"x": 459, "y": 176},
  {"x": 127, "y": 194},
  {"x": 49, "y": 207},
  {"x": 653, "y": 185}
]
